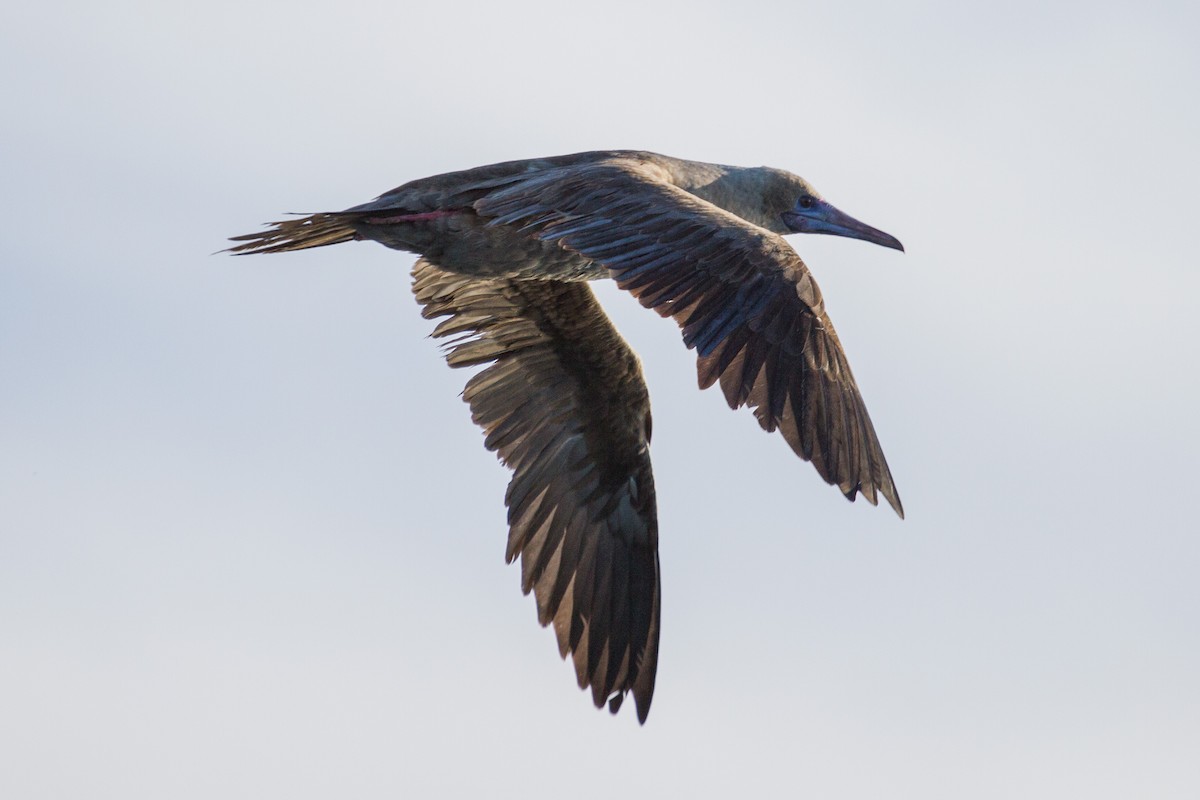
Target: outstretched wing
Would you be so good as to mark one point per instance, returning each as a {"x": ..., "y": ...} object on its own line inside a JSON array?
[
  {"x": 745, "y": 301},
  {"x": 564, "y": 405}
]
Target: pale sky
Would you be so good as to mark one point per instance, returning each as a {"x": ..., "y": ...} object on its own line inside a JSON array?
[{"x": 252, "y": 546}]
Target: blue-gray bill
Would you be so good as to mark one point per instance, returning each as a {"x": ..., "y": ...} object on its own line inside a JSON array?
[{"x": 811, "y": 215}]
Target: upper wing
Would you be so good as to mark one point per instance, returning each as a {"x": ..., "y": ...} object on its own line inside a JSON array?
[
  {"x": 565, "y": 407},
  {"x": 741, "y": 294}
]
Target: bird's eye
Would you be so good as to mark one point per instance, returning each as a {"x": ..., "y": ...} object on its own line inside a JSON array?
[{"x": 805, "y": 202}]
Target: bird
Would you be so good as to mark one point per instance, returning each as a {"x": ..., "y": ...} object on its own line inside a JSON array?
[{"x": 505, "y": 254}]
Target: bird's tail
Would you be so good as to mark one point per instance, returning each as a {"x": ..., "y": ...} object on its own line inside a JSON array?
[{"x": 317, "y": 230}]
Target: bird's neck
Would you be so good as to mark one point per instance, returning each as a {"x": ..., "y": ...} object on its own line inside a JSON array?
[{"x": 738, "y": 190}]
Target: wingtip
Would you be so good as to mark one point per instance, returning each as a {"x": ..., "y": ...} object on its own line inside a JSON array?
[
  {"x": 643, "y": 709},
  {"x": 889, "y": 493},
  {"x": 642, "y": 705}
]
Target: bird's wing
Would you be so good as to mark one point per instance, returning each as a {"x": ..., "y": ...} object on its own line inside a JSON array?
[
  {"x": 564, "y": 405},
  {"x": 745, "y": 301}
]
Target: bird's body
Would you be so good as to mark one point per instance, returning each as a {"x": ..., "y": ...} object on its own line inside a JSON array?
[{"x": 505, "y": 252}]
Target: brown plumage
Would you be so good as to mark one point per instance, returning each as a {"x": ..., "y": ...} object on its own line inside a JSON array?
[{"x": 505, "y": 253}]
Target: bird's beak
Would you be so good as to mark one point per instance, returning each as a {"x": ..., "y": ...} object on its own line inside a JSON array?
[{"x": 821, "y": 217}]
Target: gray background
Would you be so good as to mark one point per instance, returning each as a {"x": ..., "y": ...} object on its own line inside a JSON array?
[{"x": 251, "y": 544}]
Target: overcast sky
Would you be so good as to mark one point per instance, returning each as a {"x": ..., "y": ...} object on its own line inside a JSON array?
[{"x": 251, "y": 544}]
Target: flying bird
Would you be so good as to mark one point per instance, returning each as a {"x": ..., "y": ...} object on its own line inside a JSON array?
[{"x": 506, "y": 251}]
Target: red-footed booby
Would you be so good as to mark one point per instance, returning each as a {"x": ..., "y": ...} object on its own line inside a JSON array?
[{"x": 506, "y": 251}]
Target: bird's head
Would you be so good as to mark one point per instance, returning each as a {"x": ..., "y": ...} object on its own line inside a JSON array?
[
  {"x": 811, "y": 213},
  {"x": 791, "y": 205}
]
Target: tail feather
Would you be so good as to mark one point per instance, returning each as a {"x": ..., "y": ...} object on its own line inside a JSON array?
[{"x": 317, "y": 230}]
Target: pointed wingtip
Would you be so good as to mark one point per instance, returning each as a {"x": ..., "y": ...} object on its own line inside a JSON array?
[
  {"x": 871, "y": 495},
  {"x": 643, "y": 709}
]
